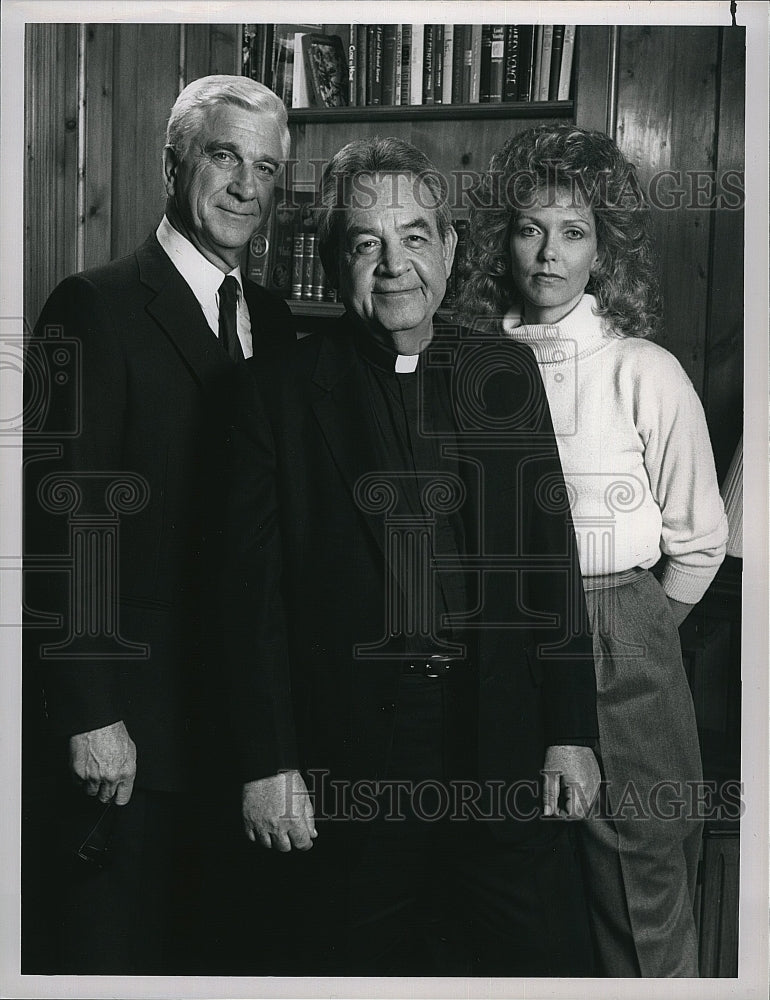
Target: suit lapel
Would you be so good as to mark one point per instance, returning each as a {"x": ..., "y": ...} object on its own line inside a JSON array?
[
  {"x": 342, "y": 413},
  {"x": 178, "y": 313}
]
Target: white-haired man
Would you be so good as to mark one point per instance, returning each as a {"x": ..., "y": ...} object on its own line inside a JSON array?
[{"x": 158, "y": 333}]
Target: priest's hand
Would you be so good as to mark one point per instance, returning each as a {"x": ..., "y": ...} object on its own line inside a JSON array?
[{"x": 277, "y": 812}]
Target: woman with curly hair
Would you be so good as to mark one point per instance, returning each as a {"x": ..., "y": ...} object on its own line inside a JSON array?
[{"x": 562, "y": 259}]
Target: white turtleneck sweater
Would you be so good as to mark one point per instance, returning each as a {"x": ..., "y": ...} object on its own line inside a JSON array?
[{"x": 634, "y": 448}]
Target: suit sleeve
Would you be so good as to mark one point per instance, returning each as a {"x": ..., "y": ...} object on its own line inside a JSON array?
[
  {"x": 255, "y": 622},
  {"x": 74, "y": 387},
  {"x": 562, "y": 654}
]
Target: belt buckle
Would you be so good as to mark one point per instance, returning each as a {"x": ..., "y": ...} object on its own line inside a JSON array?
[{"x": 437, "y": 665}]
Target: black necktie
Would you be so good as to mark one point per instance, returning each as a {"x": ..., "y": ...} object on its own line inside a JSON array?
[{"x": 228, "y": 318}]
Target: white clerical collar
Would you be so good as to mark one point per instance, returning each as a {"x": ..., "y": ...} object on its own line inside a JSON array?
[
  {"x": 203, "y": 277},
  {"x": 406, "y": 363}
]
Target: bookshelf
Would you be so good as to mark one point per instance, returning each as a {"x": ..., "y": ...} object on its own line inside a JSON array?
[
  {"x": 432, "y": 112},
  {"x": 458, "y": 117}
]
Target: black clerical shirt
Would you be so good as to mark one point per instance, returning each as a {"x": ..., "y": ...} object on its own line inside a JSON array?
[{"x": 414, "y": 431}]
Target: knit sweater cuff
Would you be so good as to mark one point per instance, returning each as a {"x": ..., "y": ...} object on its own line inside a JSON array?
[{"x": 685, "y": 585}]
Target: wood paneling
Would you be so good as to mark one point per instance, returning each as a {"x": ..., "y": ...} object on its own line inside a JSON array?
[
  {"x": 723, "y": 395},
  {"x": 98, "y": 144},
  {"x": 667, "y": 121},
  {"x": 145, "y": 78},
  {"x": 51, "y": 132}
]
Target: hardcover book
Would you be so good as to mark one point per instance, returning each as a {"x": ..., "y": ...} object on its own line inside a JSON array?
[{"x": 326, "y": 68}]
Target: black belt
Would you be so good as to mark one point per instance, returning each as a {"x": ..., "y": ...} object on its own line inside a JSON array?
[{"x": 435, "y": 665}]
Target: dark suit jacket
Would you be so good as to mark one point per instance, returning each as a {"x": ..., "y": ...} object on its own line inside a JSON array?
[
  {"x": 313, "y": 575},
  {"x": 142, "y": 398}
]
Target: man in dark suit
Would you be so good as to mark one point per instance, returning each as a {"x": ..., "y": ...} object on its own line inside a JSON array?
[
  {"x": 407, "y": 634},
  {"x": 123, "y": 524}
]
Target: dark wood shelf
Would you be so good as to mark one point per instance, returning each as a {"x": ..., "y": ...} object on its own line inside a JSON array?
[
  {"x": 306, "y": 307},
  {"x": 432, "y": 112}
]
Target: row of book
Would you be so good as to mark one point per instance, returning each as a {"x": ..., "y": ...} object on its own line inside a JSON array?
[
  {"x": 368, "y": 65},
  {"x": 285, "y": 257}
]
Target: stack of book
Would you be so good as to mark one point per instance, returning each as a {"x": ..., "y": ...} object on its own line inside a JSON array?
[{"x": 369, "y": 65}]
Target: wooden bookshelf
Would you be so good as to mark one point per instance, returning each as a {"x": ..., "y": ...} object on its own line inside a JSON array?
[{"x": 433, "y": 112}]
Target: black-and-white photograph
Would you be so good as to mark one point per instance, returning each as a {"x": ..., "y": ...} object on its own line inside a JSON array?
[{"x": 380, "y": 616}]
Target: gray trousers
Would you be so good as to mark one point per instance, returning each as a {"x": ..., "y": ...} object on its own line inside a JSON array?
[{"x": 641, "y": 847}]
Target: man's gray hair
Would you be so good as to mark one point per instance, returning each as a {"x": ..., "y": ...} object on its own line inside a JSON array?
[
  {"x": 376, "y": 155},
  {"x": 201, "y": 95}
]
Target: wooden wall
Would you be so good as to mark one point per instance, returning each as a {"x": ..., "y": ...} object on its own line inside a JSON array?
[
  {"x": 109, "y": 130},
  {"x": 678, "y": 104}
]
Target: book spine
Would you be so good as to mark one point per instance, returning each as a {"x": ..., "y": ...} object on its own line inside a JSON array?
[
  {"x": 308, "y": 252},
  {"x": 557, "y": 46},
  {"x": 526, "y": 61},
  {"x": 438, "y": 63},
  {"x": 375, "y": 65},
  {"x": 511, "y": 71},
  {"x": 319, "y": 278},
  {"x": 467, "y": 62},
  {"x": 352, "y": 67},
  {"x": 485, "y": 65},
  {"x": 446, "y": 95},
  {"x": 458, "y": 63},
  {"x": 300, "y": 94},
  {"x": 427, "y": 65},
  {"x": 462, "y": 227},
  {"x": 567, "y": 56},
  {"x": 362, "y": 53},
  {"x": 406, "y": 63},
  {"x": 538, "y": 49},
  {"x": 399, "y": 65},
  {"x": 258, "y": 259},
  {"x": 415, "y": 66},
  {"x": 389, "y": 64},
  {"x": 497, "y": 63},
  {"x": 475, "y": 63},
  {"x": 297, "y": 260},
  {"x": 545, "y": 63}
]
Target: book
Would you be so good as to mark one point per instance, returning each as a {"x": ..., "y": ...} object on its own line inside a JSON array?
[
  {"x": 556, "y": 50},
  {"x": 415, "y": 65},
  {"x": 538, "y": 59},
  {"x": 467, "y": 62},
  {"x": 389, "y": 36},
  {"x": 526, "y": 61},
  {"x": 258, "y": 259},
  {"x": 485, "y": 66},
  {"x": 308, "y": 253},
  {"x": 290, "y": 206},
  {"x": 284, "y": 69},
  {"x": 497, "y": 63},
  {"x": 545, "y": 63},
  {"x": 567, "y": 56},
  {"x": 406, "y": 63},
  {"x": 438, "y": 63},
  {"x": 374, "y": 64},
  {"x": 458, "y": 63},
  {"x": 318, "y": 276},
  {"x": 300, "y": 96},
  {"x": 297, "y": 257},
  {"x": 427, "y": 65},
  {"x": 475, "y": 67},
  {"x": 362, "y": 59},
  {"x": 352, "y": 67},
  {"x": 326, "y": 71},
  {"x": 511, "y": 63},
  {"x": 399, "y": 64},
  {"x": 446, "y": 93}
]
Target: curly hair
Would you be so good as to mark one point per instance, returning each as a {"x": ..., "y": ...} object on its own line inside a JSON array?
[{"x": 590, "y": 166}]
